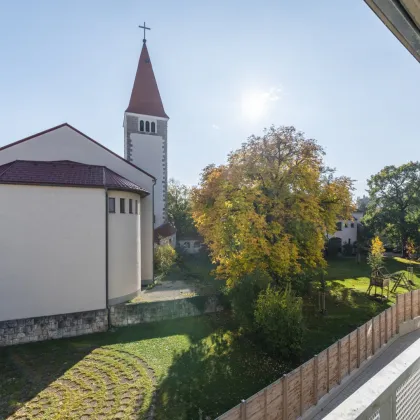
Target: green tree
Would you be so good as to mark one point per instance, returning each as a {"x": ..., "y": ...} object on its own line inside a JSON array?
[
  {"x": 362, "y": 203},
  {"x": 179, "y": 208},
  {"x": 269, "y": 207},
  {"x": 394, "y": 203}
]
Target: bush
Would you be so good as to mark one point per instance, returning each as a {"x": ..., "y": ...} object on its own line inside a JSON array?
[
  {"x": 243, "y": 298},
  {"x": 348, "y": 249},
  {"x": 278, "y": 314},
  {"x": 334, "y": 247},
  {"x": 165, "y": 257}
]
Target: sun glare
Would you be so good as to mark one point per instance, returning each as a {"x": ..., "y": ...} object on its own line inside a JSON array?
[{"x": 254, "y": 105}]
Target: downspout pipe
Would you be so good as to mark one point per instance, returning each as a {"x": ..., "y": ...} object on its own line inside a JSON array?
[
  {"x": 153, "y": 231},
  {"x": 106, "y": 258}
]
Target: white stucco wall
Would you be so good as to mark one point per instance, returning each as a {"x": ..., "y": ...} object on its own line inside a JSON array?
[
  {"x": 52, "y": 250},
  {"x": 349, "y": 232},
  {"x": 183, "y": 243},
  {"x": 124, "y": 249},
  {"x": 66, "y": 144},
  {"x": 147, "y": 152}
]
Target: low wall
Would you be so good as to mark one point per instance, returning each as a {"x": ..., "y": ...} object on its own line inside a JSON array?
[
  {"x": 22, "y": 331},
  {"x": 293, "y": 395},
  {"x": 138, "y": 313},
  {"x": 50, "y": 327}
]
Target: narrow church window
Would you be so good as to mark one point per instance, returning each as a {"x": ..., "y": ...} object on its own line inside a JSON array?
[
  {"x": 141, "y": 125},
  {"x": 111, "y": 205},
  {"x": 122, "y": 205},
  {"x": 147, "y": 126},
  {"x": 130, "y": 206},
  {"x": 153, "y": 127},
  {"x": 137, "y": 207}
]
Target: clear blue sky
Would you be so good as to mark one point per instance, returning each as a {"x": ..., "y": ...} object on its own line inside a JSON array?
[{"x": 329, "y": 67}]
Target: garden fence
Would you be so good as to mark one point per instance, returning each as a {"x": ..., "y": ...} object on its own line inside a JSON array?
[{"x": 296, "y": 392}]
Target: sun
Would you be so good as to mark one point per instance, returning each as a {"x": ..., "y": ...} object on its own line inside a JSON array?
[{"x": 253, "y": 105}]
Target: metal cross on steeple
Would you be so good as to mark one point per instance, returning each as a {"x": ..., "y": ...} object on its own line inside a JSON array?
[{"x": 144, "y": 27}]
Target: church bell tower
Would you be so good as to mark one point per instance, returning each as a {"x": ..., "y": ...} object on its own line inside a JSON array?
[{"x": 146, "y": 131}]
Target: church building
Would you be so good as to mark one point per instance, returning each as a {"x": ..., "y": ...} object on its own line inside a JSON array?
[{"x": 77, "y": 220}]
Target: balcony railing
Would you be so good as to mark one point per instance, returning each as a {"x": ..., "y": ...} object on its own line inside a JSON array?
[
  {"x": 300, "y": 391},
  {"x": 393, "y": 393}
]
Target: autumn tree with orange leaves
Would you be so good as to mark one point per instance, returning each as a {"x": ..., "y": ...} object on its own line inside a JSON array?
[{"x": 269, "y": 207}]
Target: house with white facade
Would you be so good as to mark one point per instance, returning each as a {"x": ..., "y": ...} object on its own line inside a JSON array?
[
  {"x": 77, "y": 220},
  {"x": 347, "y": 229},
  {"x": 191, "y": 244}
]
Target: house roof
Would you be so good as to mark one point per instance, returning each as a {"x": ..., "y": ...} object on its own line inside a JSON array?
[
  {"x": 65, "y": 173},
  {"x": 164, "y": 231},
  {"x": 82, "y": 134},
  {"x": 145, "y": 97}
]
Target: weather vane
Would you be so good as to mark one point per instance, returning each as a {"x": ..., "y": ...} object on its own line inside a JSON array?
[{"x": 144, "y": 27}]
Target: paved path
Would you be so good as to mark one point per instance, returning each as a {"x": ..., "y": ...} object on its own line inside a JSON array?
[
  {"x": 368, "y": 371},
  {"x": 167, "y": 290}
]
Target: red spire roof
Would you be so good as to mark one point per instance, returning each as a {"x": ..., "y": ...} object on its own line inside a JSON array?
[{"x": 145, "y": 98}]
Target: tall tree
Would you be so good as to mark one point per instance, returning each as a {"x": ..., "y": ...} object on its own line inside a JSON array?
[
  {"x": 270, "y": 206},
  {"x": 179, "y": 208},
  {"x": 362, "y": 203},
  {"x": 394, "y": 203}
]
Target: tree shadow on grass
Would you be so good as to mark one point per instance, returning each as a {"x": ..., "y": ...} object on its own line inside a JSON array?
[
  {"x": 214, "y": 375},
  {"x": 26, "y": 370}
]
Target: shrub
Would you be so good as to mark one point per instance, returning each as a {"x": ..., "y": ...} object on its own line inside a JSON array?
[
  {"x": 243, "y": 298},
  {"x": 165, "y": 257},
  {"x": 278, "y": 314},
  {"x": 348, "y": 249},
  {"x": 334, "y": 247},
  {"x": 375, "y": 257}
]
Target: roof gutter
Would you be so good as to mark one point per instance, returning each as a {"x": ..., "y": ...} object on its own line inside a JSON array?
[{"x": 400, "y": 18}]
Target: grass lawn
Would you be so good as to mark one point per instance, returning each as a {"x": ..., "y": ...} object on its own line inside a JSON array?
[
  {"x": 181, "y": 369},
  {"x": 347, "y": 304},
  {"x": 197, "y": 364}
]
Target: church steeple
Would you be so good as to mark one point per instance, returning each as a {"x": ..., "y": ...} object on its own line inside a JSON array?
[
  {"x": 145, "y": 97},
  {"x": 146, "y": 132}
]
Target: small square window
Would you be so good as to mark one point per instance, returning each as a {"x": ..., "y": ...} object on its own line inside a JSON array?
[
  {"x": 111, "y": 205},
  {"x": 346, "y": 225},
  {"x": 130, "y": 206},
  {"x": 339, "y": 226},
  {"x": 122, "y": 205},
  {"x": 352, "y": 225},
  {"x": 137, "y": 207}
]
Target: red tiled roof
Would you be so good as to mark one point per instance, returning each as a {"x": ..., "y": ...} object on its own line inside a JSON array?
[
  {"x": 145, "y": 97},
  {"x": 64, "y": 173},
  {"x": 163, "y": 231}
]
